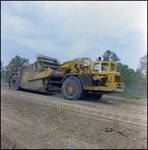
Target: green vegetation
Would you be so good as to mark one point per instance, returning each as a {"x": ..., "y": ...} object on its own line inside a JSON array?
[
  {"x": 108, "y": 55},
  {"x": 14, "y": 65},
  {"x": 133, "y": 95},
  {"x": 129, "y": 95}
]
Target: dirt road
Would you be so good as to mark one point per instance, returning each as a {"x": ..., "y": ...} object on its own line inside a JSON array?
[{"x": 39, "y": 120}]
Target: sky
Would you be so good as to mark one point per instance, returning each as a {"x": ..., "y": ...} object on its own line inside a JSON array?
[{"x": 74, "y": 29}]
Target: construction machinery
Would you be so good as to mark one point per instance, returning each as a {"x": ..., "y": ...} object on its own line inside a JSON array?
[{"x": 76, "y": 79}]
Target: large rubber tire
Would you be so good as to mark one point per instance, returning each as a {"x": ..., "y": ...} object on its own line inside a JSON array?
[
  {"x": 72, "y": 88},
  {"x": 95, "y": 97},
  {"x": 14, "y": 82}
]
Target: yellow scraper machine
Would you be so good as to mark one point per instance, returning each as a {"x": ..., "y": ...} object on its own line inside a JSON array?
[{"x": 76, "y": 79}]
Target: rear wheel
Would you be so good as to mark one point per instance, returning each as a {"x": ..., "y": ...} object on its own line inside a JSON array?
[
  {"x": 14, "y": 82},
  {"x": 72, "y": 88}
]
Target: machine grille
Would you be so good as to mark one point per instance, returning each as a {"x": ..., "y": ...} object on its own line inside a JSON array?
[{"x": 117, "y": 78}]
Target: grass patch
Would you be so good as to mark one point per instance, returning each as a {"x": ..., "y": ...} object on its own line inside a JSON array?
[{"x": 130, "y": 95}]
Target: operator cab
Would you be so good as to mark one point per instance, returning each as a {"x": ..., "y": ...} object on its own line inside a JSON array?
[{"x": 104, "y": 66}]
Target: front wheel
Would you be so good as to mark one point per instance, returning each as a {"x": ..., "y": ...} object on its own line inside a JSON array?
[
  {"x": 14, "y": 82},
  {"x": 72, "y": 88}
]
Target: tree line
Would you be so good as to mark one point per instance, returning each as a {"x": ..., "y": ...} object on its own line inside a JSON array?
[{"x": 15, "y": 65}]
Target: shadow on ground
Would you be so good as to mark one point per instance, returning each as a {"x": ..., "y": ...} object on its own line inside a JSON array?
[{"x": 57, "y": 93}]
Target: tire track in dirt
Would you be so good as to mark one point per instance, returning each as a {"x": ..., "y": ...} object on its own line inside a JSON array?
[
  {"x": 93, "y": 112},
  {"x": 105, "y": 98},
  {"x": 131, "y": 106}
]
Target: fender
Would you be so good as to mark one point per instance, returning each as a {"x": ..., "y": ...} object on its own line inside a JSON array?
[
  {"x": 67, "y": 75},
  {"x": 85, "y": 79}
]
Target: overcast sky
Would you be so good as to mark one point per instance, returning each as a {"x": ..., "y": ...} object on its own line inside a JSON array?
[{"x": 67, "y": 30}]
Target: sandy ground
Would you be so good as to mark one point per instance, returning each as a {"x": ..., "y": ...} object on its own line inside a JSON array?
[{"x": 39, "y": 120}]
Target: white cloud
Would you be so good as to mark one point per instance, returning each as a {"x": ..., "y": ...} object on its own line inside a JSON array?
[{"x": 70, "y": 29}]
